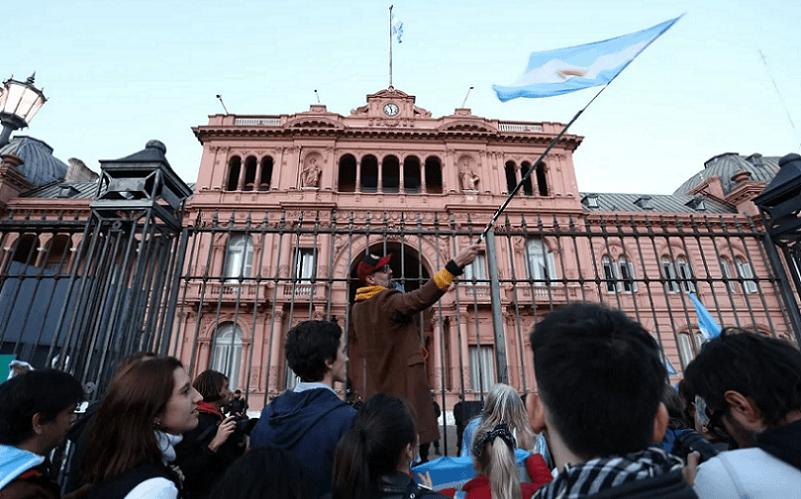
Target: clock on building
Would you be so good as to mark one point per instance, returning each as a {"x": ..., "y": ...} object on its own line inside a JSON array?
[{"x": 391, "y": 109}]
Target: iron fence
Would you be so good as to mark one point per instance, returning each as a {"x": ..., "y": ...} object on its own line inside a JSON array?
[{"x": 222, "y": 291}]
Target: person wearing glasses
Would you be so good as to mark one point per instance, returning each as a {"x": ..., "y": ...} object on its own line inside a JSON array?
[
  {"x": 747, "y": 390},
  {"x": 384, "y": 337}
]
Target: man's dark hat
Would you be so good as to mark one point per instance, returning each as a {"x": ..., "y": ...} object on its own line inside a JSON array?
[{"x": 371, "y": 263}]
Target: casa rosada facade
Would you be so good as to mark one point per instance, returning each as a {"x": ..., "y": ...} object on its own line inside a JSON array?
[
  {"x": 390, "y": 163},
  {"x": 285, "y": 207}
]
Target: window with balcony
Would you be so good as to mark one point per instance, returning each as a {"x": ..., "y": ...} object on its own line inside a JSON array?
[
  {"x": 239, "y": 257},
  {"x": 433, "y": 172},
  {"x": 686, "y": 275},
  {"x": 511, "y": 176},
  {"x": 528, "y": 189},
  {"x": 482, "y": 368},
  {"x": 304, "y": 265},
  {"x": 540, "y": 266},
  {"x": 226, "y": 352},
  {"x": 411, "y": 175},
  {"x": 542, "y": 181},
  {"x": 747, "y": 274},
  {"x": 685, "y": 348},
  {"x": 234, "y": 169},
  {"x": 476, "y": 272},
  {"x": 725, "y": 270},
  {"x": 619, "y": 277},
  {"x": 674, "y": 274},
  {"x": 57, "y": 254},
  {"x": 347, "y": 174}
]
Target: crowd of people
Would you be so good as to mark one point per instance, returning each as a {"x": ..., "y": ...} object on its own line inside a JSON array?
[{"x": 602, "y": 407}]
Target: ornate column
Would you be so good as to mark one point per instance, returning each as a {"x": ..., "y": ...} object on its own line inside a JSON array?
[{"x": 358, "y": 187}]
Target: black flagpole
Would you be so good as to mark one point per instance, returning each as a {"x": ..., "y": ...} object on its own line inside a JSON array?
[
  {"x": 559, "y": 136},
  {"x": 534, "y": 167}
]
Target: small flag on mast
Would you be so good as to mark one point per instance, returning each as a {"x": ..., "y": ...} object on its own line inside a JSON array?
[
  {"x": 397, "y": 27},
  {"x": 560, "y": 71},
  {"x": 706, "y": 323}
]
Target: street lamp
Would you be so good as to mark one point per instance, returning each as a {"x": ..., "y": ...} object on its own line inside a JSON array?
[{"x": 19, "y": 102}]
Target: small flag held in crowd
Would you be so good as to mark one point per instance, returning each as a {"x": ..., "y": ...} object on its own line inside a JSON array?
[
  {"x": 560, "y": 71},
  {"x": 397, "y": 27},
  {"x": 706, "y": 323}
]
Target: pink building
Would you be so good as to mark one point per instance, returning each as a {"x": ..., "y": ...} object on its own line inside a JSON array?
[{"x": 285, "y": 207}]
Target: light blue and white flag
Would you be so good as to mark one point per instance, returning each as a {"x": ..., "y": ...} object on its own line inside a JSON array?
[
  {"x": 397, "y": 27},
  {"x": 706, "y": 323},
  {"x": 560, "y": 71}
]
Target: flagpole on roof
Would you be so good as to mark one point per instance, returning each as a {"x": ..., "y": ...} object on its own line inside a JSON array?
[{"x": 390, "y": 45}]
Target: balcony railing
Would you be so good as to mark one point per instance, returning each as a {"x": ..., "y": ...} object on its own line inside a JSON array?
[{"x": 257, "y": 122}]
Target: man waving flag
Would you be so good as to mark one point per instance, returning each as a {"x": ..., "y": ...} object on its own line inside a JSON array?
[{"x": 560, "y": 71}]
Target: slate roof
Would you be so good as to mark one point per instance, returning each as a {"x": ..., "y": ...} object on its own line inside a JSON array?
[
  {"x": 73, "y": 189},
  {"x": 762, "y": 168},
  {"x": 653, "y": 203},
  {"x": 40, "y": 167}
]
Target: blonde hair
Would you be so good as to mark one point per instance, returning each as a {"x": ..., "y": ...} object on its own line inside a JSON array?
[
  {"x": 504, "y": 404},
  {"x": 497, "y": 462}
]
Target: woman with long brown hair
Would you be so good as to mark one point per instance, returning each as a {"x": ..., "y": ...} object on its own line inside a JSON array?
[
  {"x": 373, "y": 460},
  {"x": 149, "y": 405}
]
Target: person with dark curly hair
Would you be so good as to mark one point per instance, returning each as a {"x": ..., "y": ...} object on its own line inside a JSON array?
[
  {"x": 747, "y": 390},
  {"x": 309, "y": 421}
]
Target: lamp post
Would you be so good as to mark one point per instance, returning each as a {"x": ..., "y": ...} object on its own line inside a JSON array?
[{"x": 19, "y": 103}]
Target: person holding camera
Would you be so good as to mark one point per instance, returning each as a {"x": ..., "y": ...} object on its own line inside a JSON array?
[{"x": 205, "y": 452}]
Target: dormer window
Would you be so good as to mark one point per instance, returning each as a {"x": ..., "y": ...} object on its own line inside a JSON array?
[
  {"x": 591, "y": 201},
  {"x": 644, "y": 202},
  {"x": 697, "y": 203}
]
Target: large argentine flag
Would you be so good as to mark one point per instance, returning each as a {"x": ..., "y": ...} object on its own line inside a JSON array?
[{"x": 560, "y": 71}]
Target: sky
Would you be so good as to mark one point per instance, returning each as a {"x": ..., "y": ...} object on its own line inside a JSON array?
[{"x": 118, "y": 74}]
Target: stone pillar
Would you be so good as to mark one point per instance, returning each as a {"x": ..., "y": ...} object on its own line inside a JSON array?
[{"x": 358, "y": 187}]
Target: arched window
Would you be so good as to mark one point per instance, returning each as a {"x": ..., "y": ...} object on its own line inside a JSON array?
[
  {"x": 540, "y": 266},
  {"x": 239, "y": 257},
  {"x": 686, "y": 275},
  {"x": 250, "y": 174},
  {"x": 234, "y": 168},
  {"x": 681, "y": 272},
  {"x": 619, "y": 277},
  {"x": 25, "y": 249},
  {"x": 347, "y": 174},
  {"x": 685, "y": 348},
  {"x": 369, "y": 174},
  {"x": 57, "y": 254},
  {"x": 528, "y": 190},
  {"x": 725, "y": 270},
  {"x": 411, "y": 175},
  {"x": 226, "y": 353},
  {"x": 433, "y": 175},
  {"x": 511, "y": 176},
  {"x": 390, "y": 174},
  {"x": 476, "y": 271},
  {"x": 747, "y": 274},
  {"x": 482, "y": 368},
  {"x": 266, "y": 173},
  {"x": 542, "y": 182}
]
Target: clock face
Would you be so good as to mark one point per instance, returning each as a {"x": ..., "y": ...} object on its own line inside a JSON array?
[{"x": 391, "y": 109}]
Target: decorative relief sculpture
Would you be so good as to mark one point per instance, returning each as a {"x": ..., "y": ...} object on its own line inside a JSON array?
[
  {"x": 468, "y": 177},
  {"x": 310, "y": 176}
]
